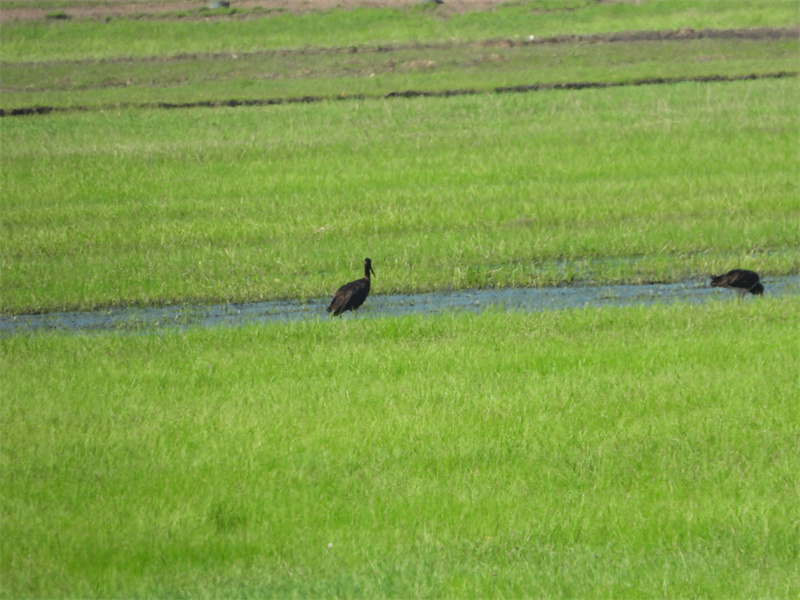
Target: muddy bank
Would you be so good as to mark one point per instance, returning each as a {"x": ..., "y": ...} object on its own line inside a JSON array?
[{"x": 378, "y": 306}]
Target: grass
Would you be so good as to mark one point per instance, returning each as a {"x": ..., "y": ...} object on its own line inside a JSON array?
[
  {"x": 588, "y": 453},
  {"x": 117, "y": 207},
  {"x": 636, "y": 452},
  {"x": 656, "y": 183},
  {"x": 479, "y": 67},
  {"x": 82, "y": 39}
]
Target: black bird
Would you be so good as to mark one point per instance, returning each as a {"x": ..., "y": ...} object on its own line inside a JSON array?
[
  {"x": 352, "y": 295},
  {"x": 740, "y": 281}
]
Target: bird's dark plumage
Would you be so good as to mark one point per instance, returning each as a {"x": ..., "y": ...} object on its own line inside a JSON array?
[
  {"x": 740, "y": 281},
  {"x": 352, "y": 295}
]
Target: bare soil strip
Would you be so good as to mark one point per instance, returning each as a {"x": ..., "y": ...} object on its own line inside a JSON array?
[
  {"x": 536, "y": 87},
  {"x": 169, "y": 9}
]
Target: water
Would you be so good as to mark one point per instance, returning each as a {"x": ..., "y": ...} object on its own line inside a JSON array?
[{"x": 523, "y": 299}]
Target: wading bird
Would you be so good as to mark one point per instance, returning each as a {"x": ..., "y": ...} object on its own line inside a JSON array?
[
  {"x": 740, "y": 281},
  {"x": 352, "y": 295}
]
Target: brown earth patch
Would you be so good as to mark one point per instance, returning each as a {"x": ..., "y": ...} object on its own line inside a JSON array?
[{"x": 126, "y": 8}]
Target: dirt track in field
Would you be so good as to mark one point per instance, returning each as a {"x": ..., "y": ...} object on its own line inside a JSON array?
[{"x": 127, "y": 8}]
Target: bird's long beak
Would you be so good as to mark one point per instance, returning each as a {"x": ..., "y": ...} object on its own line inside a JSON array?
[{"x": 371, "y": 270}]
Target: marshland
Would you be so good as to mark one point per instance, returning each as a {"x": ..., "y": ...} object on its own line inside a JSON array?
[{"x": 184, "y": 158}]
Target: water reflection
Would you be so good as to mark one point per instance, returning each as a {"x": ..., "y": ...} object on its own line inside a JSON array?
[{"x": 524, "y": 299}]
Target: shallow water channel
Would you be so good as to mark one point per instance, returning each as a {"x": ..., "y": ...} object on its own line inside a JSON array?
[{"x": 521, "y": 299}]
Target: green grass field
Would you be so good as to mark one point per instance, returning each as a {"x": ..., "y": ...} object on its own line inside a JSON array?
[
  {"x": 334, "y": 75},
  {"x": 75, "y": 39},
  {"x": 599, "y": 453},
  {"x": 654, "y": 183},
  {"x": 633, "y": 452},
  {"x": 116, "y": 206}
]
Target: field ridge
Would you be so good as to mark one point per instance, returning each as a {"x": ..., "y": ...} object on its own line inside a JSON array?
[{"x": 534, "y": 87}]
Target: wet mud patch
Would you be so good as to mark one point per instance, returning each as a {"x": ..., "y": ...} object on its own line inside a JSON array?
[{"x": 385, "y": 306}]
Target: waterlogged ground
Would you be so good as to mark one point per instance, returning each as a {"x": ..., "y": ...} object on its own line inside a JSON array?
[{"x": 522, "y": 299}]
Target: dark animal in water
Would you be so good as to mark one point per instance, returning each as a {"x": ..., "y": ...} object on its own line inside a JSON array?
[
  {"x": 740, "y": 281},
  {"x": 352, "y": 295}
]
